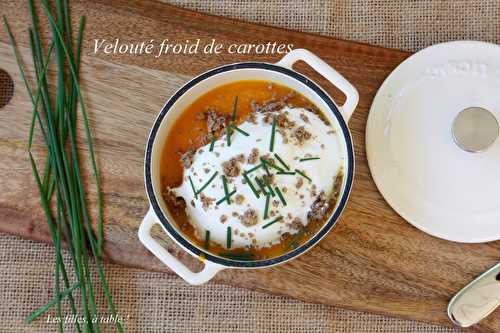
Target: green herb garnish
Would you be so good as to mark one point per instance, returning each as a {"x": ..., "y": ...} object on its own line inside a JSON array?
[
  {"x": 51, "y": 303},
  {"x": 225, "y": 197},
  {"x": 228, "y": 237},
  {"x": 266, "y": 207},
  {"x": 212, "y": 143},
  {"x": 208, "y": 182},
  {"x": 253, "y": 169},
  {"x": 240, "y": 130},
  {"x": 193, "y": 188},
  {"x": 249, "y": 182},
  {"x": 228, "y": 135},
  {"x": 273, "y": 133},
  {"x": 56, "y": 108},
  {"x": 269, "y": 188},
  {"x": 226, "y": 190},
  {"x": 261, "y": 185},
  {"x": 264, "y": 165},
  {"x": 274, "y": 166},
  {"x": 272, "y": 222},
  {"x": 281, "y": 161},
  {"x": 308, "y": 159},
  {"x": 286, "y": 173},
  {"x": 280, "y": 195},
  {"x": 235, "y": 106},
  {"x": 303, "y": 174},
  {"x": 207, "y": 239}
]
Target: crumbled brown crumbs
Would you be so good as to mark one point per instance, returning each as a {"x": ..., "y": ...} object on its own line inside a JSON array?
[
  {"x": 249, "y": 217},
  {"x": 239, "y": 199},
  {"x": 253, "y": 157}
]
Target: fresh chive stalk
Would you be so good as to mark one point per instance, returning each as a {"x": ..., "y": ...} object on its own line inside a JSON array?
[
  {"x": 35, "y": 314},
  {"x": 280, "y": 195},
  {"x": 253, "y": 169},
  {"x": 266, "y": 207},
  {"x": 207, "y": 239},
  {"x": 235, "y": 106},
  {"x": 303, "y": 174},
  {"x": 264, "y": 165},
  {"x": 240, "y": 130},
  {"x": 57, "y": 120},
  {"x": 272, "y": 222},
  {"x": 228, "y": 237},
  {"x": 261, "y": 185},
  {"x": 308, "y": 159},
  {"x": 226, "y": 197},
  {"x": 208, "y": 182},
  {"x": 228, "y": 135},
  {"x": 273, "y": 134},
  {"x": 249, "y": 183},
  {"x": 281, "y": 161},
  {"x": 274, "y": 166},
  {"x": 226, "y": 190},
  {"x": 291, "y": 173},
  {"x": 195, "y": 192},
  {"x": 212, "y": 143},
  {"x": 269, "y": 188}
]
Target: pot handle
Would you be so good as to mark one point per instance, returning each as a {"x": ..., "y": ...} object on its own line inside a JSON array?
[
  {"x": 206, "y": 274},
  {"x": 325, "y": 70}
]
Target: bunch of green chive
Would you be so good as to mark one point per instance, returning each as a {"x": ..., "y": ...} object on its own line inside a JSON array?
[{"x": 62, "y": 193}]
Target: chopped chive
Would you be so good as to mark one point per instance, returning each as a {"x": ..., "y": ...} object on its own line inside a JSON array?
[
  {"x": 303, "y": 174},
  {"x": 208, "y": 182},
  {"x": 273, "y": 131},
  {"x": 264, "y": 165},
  {"x": 281, "y": 161},
  {"x": 240, "y": 130},
  {"x": 269, "y": 188},
  {"x": 249, "y": 182},
  {"x": 274, "y": 166},
  {"x": 261, "y": 185},
  {"x": 272, "y": 222},
  {"x": 207, "y": 239},
  {"x": 226, "y": 190},
  {"x": 228, "y": 135},
  {"x": 280, "y": 195},
  {"x": 193, "y": 188},
  {"x": 225, "y": 197},
  {"x": 228, "y": 237},
  {"x": 253, "y": 169},
  {"x": 266, "y": 207},
  {"x": 308, "y": 159},
  {"x": 286, "y": 173},
  {"x": 212, "y": 143},
  {"x": 235, "y": 106}
]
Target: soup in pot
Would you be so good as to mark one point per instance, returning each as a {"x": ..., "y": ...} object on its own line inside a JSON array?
[{"x": 251, "y": 170}]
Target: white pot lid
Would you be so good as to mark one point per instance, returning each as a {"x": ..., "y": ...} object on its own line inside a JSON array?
[{"x": 419, "y": 164}]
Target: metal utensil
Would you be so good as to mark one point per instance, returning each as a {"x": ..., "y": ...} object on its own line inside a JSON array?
[{"x": 477, "y": 300}]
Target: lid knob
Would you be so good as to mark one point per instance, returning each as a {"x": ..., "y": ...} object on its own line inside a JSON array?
[{"x": 475, "y": 129}]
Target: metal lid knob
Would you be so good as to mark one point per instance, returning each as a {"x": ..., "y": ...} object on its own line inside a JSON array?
[{"x": 475, "y": 129}]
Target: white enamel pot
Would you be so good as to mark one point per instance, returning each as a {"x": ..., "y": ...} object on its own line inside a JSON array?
[{"x": 280, "y": 73}]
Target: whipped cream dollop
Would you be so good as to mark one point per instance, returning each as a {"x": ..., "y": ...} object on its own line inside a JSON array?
[{"x": 313, "y": 156}]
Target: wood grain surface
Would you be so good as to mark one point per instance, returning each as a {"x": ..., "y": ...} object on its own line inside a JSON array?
[{"x": 372, "y": 261}]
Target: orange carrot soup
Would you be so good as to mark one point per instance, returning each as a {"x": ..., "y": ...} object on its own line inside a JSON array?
[{"x": 251, "y": 170}]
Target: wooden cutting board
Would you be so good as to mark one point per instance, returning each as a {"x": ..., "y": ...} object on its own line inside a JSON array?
[{"x": 373, "y": 260}]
